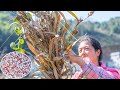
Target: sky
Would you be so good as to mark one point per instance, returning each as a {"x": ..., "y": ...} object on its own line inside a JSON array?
[{"x": 99, "y": 16}]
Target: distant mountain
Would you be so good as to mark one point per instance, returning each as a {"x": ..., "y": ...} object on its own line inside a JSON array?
[{"x": 108, "y": 33}]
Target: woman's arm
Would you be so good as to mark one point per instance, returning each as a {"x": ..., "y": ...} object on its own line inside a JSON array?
[{"x": 90, "y": 70}]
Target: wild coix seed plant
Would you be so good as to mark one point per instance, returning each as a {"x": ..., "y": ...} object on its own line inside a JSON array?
[{"x": 45, "y": 35}]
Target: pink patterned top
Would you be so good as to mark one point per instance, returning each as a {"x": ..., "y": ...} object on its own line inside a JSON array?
[{"x": 91, "y": 71}]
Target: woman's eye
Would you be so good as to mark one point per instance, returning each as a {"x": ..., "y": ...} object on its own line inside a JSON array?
[
  {"x": 80, "y": 50},
  {"x": 86, "y": 48}
]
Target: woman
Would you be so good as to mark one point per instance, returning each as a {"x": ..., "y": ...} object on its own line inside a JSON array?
[{"x": 90, "y": 55}]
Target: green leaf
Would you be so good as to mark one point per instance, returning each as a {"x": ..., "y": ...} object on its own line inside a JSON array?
[
  {"x": 20, "y": 46},
  {"x": 18, "y": 31},
  {"x": 15, "y": 48},
  {"x": 21, "y": 50},
  {"x": 16, "y": 20},
  {"x": 21, "y": 41},
  {"x": 12, "y": 45}
]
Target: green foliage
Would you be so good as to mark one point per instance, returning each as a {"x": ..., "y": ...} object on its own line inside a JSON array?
[
  {"x": 106, "y": 32},
  {"x": 18, "y": 46},
  {"x": 6, "y": 19},
  {"x": 18, "y": 31},
  {"x": 13, "y": 45}
]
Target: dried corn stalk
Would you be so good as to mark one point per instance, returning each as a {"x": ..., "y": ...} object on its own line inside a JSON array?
[{"x": 45, "y": 36}]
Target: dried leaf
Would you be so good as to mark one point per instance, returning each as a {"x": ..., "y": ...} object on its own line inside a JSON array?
[
  {"x": 55, "y": 21},
  {"x": 50, "y": 49},
  {"x": 66, "y": 27},
  {"x": 65, "y": 72},
  {"x": 57, "y": 58},
  {"x": 58, "y": 21},
  {"x": 73, "y": 14},
  {"x": 55, "y": 71},
  {"x": 36, "y": 52},
  {"x": 56, "y": 45},
  {"x": 90, "y": 13},
  {"x": 74, "y": 33}
]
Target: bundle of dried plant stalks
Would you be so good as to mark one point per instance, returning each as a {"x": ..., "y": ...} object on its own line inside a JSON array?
[{"x": 45, "y": 36}]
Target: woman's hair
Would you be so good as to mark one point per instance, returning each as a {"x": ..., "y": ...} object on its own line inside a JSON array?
[{"x": 94, "y": 43}]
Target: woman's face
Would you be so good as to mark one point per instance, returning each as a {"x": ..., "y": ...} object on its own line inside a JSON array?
[{"x": 85, "y": 49}]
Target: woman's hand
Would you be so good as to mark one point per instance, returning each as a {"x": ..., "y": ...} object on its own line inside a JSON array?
[{"x": 71, "y": 56}]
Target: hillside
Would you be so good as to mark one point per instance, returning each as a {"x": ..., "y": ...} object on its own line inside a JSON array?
[{"x": 106, "y": 32}]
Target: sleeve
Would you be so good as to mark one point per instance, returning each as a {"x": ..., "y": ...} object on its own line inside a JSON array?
[{"x": 92, "y": 71}]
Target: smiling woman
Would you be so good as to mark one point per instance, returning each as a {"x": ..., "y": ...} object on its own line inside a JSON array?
[{"x": 89, "y": 59}]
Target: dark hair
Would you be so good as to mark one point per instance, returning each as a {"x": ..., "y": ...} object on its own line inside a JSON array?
[{"x": 94, "y": 43}]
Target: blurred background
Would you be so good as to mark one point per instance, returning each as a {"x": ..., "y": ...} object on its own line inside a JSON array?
[{"x": 103, "y": 25}]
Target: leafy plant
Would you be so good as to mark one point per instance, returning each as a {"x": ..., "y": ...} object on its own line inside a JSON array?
[
  {"x": 45, "y": 35},
  {"x": 20, "y": 41}
]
